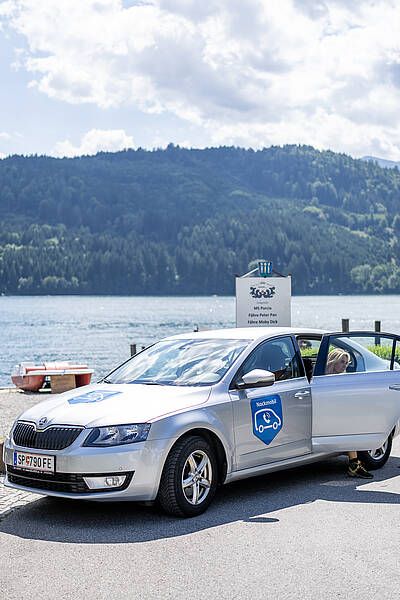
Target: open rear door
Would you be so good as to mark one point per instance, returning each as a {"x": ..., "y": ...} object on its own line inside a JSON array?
[{"x": 355, "y": 391}]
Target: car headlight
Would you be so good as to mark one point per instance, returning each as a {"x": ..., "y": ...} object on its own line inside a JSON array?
[{"x": 117, "y": 435}]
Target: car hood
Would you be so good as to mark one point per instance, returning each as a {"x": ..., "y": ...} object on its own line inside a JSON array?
[{"x": 106, "y": 404}]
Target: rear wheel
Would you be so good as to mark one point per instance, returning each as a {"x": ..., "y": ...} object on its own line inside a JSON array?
[
  {"x": 375, "y": 459},
  {"x": 189, "y": 478}
]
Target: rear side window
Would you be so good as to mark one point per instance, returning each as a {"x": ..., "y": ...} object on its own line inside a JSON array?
[
  {"x": 278, "y": 356},
  {"x": 308, "y": 347}
]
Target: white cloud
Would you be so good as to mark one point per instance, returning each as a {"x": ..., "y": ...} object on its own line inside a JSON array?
[
  {"x": 5, "y": 139},
  {"x": 250, "y": 72},
  {"x": 7, "y": 8},
  {"x": 96, "y": 140}
]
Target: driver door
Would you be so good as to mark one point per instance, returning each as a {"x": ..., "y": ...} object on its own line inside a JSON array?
[
  {"x": 272, "y": 423},
  {"x": 355, "y": 407}
]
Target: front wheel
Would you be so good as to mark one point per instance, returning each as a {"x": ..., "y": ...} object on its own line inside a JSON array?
[
  {"x": 189, "y": 478},
  {"x": 375, "y": 459}
]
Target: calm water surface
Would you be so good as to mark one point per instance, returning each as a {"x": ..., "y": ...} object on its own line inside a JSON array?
[{"x": 98, "y": 330}]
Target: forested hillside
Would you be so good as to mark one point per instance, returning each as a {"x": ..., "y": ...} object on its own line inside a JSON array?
[{"x": 180, "y": 221}]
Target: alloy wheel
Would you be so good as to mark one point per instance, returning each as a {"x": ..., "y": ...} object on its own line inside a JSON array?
[
  {"x": 378, "y": 452},
  {"x": 197, "y": 477}
]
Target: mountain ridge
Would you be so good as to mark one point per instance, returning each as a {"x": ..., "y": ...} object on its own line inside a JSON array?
[
  {"x": 382, "y": 162},
  {"x": 179, "y": 221}
]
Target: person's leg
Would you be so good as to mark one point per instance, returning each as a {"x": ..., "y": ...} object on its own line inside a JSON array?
[{"x": 356, "y": 468}]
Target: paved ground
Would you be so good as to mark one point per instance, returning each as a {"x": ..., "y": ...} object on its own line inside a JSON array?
[
  {"x": 11, "y": 500},
  {"x": 307, "y": 533},
  {"x": 12, "y": 403}
]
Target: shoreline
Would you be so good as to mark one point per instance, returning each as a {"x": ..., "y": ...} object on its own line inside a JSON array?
[{"x": 192, "y": 296}]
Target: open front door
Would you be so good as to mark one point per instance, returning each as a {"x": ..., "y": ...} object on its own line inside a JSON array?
[
  {"x": 355, "y": 391},
  {"x": 272, "y": 423}
]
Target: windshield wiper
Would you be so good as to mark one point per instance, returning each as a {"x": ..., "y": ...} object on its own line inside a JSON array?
[{"x": 137, "y": 381}]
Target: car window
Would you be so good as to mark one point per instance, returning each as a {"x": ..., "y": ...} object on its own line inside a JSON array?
[
  {"x": 180, "y": 362},
  {"x": 396, "y": 364},
  {"x": 278, "y": 356},
  {"x": 356, "y": 353},
  {"x": 309, "y": 348}
]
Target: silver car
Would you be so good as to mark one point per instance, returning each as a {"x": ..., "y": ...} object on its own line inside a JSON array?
[{"x": 197, "y": 410}]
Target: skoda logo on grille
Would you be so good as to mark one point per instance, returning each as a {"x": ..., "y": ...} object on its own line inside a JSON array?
[{"x": 42, "y": 421}]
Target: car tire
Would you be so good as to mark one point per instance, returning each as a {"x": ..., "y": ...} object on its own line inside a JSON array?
[
  {"x": 189, "y": 478},
  {"x": 375, "y": 459}
]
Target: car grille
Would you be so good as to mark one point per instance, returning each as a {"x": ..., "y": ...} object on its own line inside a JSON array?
[
  {"x": 53, "y": 438},
  {"x": 69, "y": 483}
]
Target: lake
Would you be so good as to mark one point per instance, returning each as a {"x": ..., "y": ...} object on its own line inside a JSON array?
[{"x": 98, "y": 330}]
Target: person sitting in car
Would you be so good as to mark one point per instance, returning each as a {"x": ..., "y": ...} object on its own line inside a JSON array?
[{"x": 337, "y": 363}]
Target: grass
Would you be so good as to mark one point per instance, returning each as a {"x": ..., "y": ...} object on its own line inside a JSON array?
[{"x": 384, "y": 352}]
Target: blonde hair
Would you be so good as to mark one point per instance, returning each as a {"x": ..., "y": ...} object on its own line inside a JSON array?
[{"x": 333, "y": 357}]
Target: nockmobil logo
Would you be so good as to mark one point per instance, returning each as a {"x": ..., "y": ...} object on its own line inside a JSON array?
[
  {"x": 93, "y": 396},
  {"x": 267, "y": 417}
]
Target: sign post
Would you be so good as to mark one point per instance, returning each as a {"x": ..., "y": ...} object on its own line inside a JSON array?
[{"x": 263, "y": 301}]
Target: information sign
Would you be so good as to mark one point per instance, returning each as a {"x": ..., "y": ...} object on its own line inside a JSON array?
[{"x": 263, "y": 301}]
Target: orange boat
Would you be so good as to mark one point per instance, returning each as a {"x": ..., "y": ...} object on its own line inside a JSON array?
[{"x": 30, "y": 377}]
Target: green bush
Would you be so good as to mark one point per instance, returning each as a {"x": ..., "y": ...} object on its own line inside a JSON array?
[
  {"x": 385, "y": 352},
  {"x": 308, "y": 352}
]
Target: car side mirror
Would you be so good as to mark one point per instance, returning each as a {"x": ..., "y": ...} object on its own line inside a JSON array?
[{"x": 256, "y": 378}]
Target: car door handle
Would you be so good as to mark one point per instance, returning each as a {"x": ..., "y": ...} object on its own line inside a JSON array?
[
  {"x": 301, "y": 394},
  {"x": 395, "y": 387}
]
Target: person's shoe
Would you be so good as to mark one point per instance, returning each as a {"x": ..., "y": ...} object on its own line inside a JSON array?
[{"x": 356, "y": 469}]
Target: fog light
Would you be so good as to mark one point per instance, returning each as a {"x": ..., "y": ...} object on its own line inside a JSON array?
[
  {"x": 111, "y": 481},
  {"x": 115, "y": 480}
]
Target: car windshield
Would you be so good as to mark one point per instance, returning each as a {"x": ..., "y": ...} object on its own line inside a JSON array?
[{"x": 180, "y": 362}]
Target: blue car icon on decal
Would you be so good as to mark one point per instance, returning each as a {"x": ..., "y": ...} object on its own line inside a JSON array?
[{"x": 266, "y": 418}]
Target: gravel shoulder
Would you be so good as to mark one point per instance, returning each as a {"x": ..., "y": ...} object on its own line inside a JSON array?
[{"x": 12, "y": 403}]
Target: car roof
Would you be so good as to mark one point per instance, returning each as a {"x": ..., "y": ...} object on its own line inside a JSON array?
[{"x": 246, "y": 333}]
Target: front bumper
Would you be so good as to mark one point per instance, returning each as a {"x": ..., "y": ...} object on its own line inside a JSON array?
[{"x": 142, "y": 462}]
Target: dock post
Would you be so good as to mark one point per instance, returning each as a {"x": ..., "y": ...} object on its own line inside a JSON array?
[
  {"x": 345, "y": 325},
  {"x": 2, "y": 465},
  {"x": 377, "y": 328},
  {"x": 133, "y": 349}
]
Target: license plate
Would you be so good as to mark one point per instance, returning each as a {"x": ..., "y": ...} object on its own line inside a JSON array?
[{"x": 34, "y": 462}]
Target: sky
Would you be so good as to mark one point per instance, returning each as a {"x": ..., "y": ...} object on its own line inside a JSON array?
[{"x": 80, "y": 76}]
